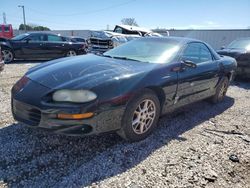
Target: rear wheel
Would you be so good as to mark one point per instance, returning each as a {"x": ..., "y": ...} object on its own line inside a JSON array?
[
  {"x": 221, "y": 90},
  {"x": 140, "y": 117},
  {"x": 7, "y": 55},
  {"x": 71, "y": 53}
]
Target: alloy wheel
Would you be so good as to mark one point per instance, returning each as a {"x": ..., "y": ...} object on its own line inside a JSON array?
[
  {"x": 7, "y": 56},
  {"x": 71, "y": 53},
  {"x": 143, "y": 116}
]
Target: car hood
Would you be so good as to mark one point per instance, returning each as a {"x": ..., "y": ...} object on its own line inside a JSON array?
[{"x": 85, "y": 71}]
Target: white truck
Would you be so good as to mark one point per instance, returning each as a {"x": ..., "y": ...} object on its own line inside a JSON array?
[{"x": 102, "y": 41}]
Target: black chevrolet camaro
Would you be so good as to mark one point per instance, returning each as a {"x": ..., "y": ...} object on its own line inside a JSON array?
[
  {"x": 124, "y": 90},
  {"x": 240, "y": 50},
  {"x": 39, "y": 45}
]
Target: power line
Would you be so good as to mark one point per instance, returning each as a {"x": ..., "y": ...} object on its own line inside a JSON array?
[{"x": 86, "y": 12}]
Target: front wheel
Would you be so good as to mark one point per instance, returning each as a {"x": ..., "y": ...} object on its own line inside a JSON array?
[
  {"x": 7, "y": 55},
  {"x": 71, "y": 53},
  {"x": 221, "y": 90},
  {"x": 140, "y": 117}
]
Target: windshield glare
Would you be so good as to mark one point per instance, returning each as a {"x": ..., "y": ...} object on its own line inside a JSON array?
[
  {"x": 152, "y": 51},
  {"x": 241, "y": 43},
  {"x": 20, "y": 37}
]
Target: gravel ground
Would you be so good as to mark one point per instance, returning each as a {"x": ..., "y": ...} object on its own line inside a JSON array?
[{"x": 202, "y": 145}]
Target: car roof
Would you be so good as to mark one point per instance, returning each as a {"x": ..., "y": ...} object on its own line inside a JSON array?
[{"x": 44, "y": 32}]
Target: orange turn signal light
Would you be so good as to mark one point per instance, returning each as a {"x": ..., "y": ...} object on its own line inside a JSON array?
[{"x": 75, "y": 116}]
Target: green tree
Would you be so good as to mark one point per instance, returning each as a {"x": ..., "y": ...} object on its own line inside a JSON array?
[
  {"x": 41, "y": 28},
  {"x": 28, "y": 28},
  {"x": 33, "y": 27}
]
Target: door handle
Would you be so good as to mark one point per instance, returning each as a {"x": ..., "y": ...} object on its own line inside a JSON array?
[{"x": 177, "y": 69}]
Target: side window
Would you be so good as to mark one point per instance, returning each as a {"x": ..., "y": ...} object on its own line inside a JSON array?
[
  {"x": 6, "y": 29},
  {"x": 197, "y": 53},
  {"x": 205, "y": 54},
  {"x": 80, "y": 40},
  {"x": 54, "y": 38},
  {"x": 35, "y": 38},
  {"x": 118, "y": 30}
]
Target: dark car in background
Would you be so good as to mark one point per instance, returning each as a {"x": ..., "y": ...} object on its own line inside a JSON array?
[
  {"x": 39, "y": 45},
  {"x": 79, "y": 40},
  {"x": 125, "y": 90},
  {"x": 240, "y": 50}
]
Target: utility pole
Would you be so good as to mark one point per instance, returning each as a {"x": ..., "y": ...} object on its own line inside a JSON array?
[
  {"x": 4, "y": 18},
  {"x": 24, "y": 21}
]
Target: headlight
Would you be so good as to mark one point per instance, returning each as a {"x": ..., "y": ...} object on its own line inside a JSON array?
[{"x": 77, "y": 96}]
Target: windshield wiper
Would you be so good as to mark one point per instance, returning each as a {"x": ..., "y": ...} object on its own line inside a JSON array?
[
  {"x": 109, "y": 56},
  {"x": 120, "y": 57},
  {"x": 125, "y": 58}
]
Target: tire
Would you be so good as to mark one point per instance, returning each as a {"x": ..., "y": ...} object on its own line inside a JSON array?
[
  {"x": 71, "y": 53},
  {"x": 140, "y": 117},
  {"x": 7, "y": 55},
  {"x": 221, "y": 91}
]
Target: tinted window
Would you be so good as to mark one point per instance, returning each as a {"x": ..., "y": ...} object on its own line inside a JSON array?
[
  {"x": 80, "y": 40},
  {"x": 118, "y": 30},
  {"x": 54, "y": 38},
  {"x": 197, "y": 53},
  {"x": 6, "y": 28},
  {"x": 36, "y": 38},
  {"x": 20, "y": 37},
  {"x": 240, "y": 43}
]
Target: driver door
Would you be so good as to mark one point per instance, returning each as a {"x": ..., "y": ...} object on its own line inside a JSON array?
[
  {"x": 198, "y": 82},
  {"x": 33, "y": 46}
]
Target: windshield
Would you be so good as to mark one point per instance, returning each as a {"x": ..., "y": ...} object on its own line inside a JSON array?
[
  {"x": 20, "y": 37},
  {"x": 240, "y": 43},
  {"x": 146, "y": 50}
]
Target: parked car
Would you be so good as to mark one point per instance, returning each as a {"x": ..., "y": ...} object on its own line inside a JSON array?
[
  {"x": 1, "y": 60},
  {"x": 124, "y": 90},
  {"x": 102, "y": 41},
  {"x": 39, "y": 45},
  {"x": 79, "y": 40},
  {"x": 240, "y": 50},
  {"x": 6, "y": 31}
]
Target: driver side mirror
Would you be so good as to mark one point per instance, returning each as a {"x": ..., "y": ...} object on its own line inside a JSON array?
[
  {"x": 189, "y": 63},
  {"x": 223, "y": 47}
]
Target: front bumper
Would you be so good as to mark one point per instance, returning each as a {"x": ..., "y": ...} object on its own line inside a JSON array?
[{"x": 103, "y": 121}]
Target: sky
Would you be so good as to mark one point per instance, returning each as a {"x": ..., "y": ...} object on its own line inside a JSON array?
[{"x": 103, "y": 14}]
